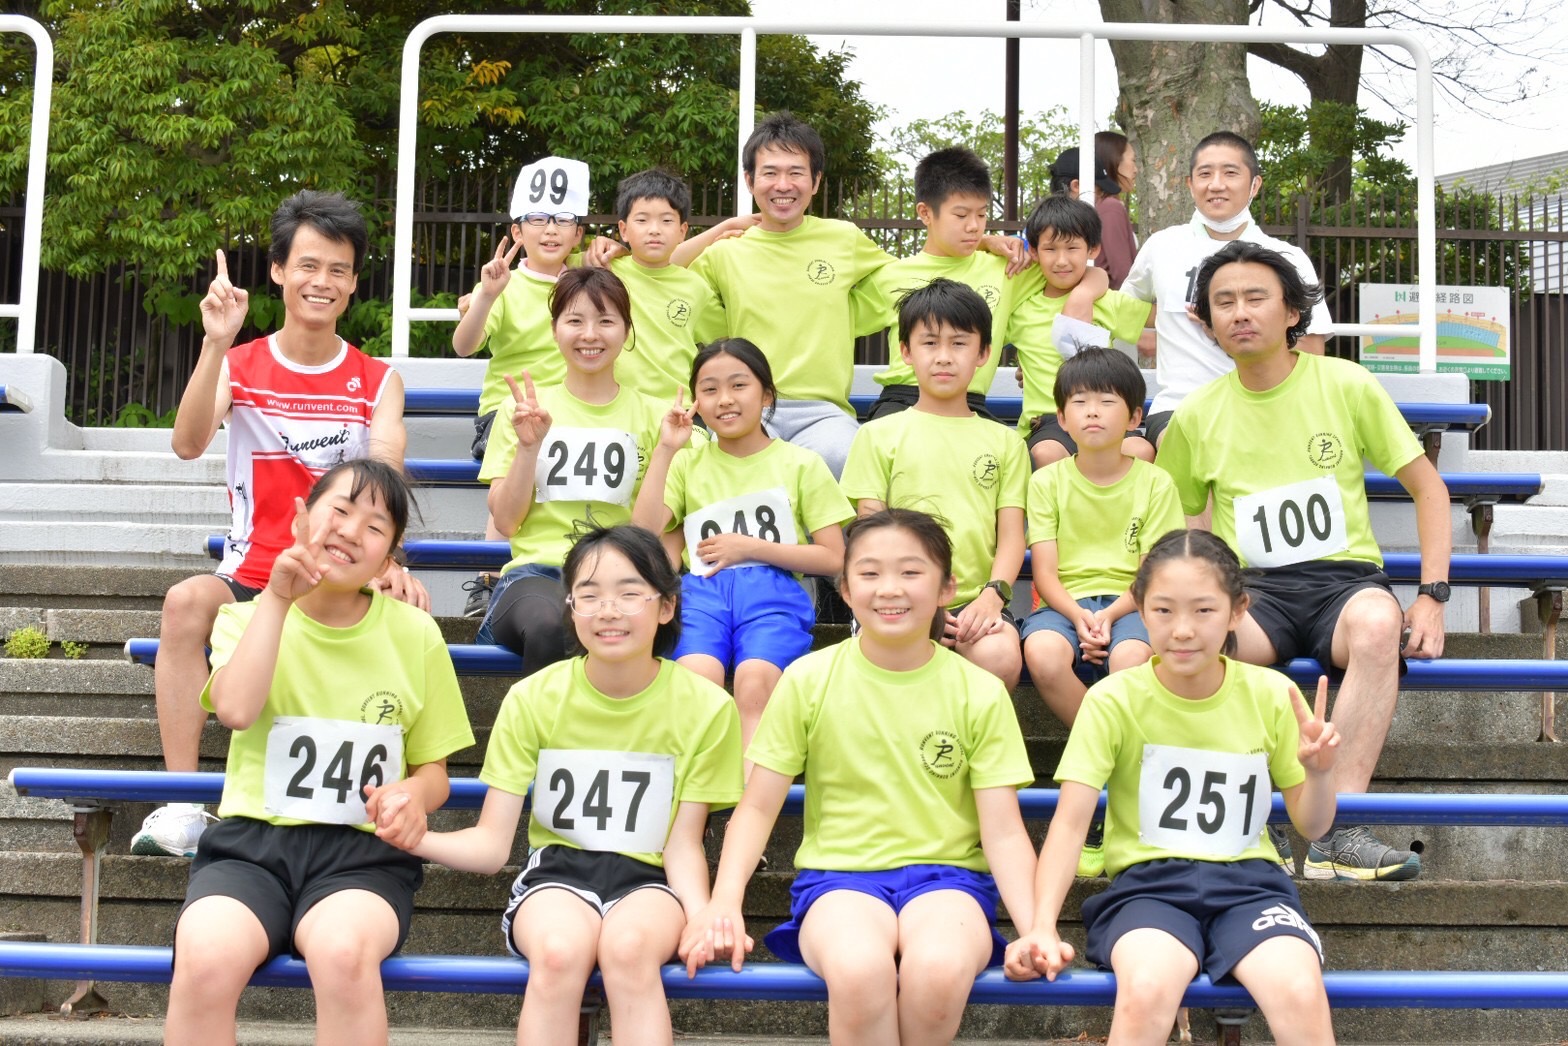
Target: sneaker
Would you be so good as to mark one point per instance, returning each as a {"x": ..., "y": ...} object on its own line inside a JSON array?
[
  {"x": 478, "y": 590},
  {"x": 1091, "y": 861},
  {"x": 1281, "y": 841},
  {"x": 172, "y": 831},
  {"x": 1357, "y": 854}
]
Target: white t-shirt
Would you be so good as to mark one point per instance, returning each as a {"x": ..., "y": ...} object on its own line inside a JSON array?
[{"x": 1166, "y": 271}]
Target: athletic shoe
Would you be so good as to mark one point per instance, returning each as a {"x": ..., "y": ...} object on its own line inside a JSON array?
[
  {"x": 1091, "y": 861},
  {"x": 1281, "y": 841},
  {"x": 1357, "y": 854},
  {"x": 172, "y": 831},
  {"x": 478, "y": 591}
]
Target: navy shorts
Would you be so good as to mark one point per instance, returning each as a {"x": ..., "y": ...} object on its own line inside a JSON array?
[
  {"x": 1128, "y": 626},
  {"x": 1154, "y": 426},
  {"x": 895, "y": 888},
  {"x": 482, "y": 435},
  {"x": 1220, "y": 910},
  {"x": 1298, "y": 606},
  {"x": 599, "y": 879},
  {"x": 280, "y": 871},
  {"x": 746, "y": 613}
]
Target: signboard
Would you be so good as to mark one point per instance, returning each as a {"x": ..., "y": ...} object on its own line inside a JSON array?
[{"x": 1472, "y": 330}]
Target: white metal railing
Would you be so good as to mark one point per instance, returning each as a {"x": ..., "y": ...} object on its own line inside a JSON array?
[
  {"x": 748, "y": 29},
  {"x": 25, "y": 311}
]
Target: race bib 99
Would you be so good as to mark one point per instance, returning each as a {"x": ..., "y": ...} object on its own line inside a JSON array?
[
  {"x": 317, "y": 769},
  {"x": 587, "y": 465},
  {"x": 765, "y": 514},
  {"x": 613, "y": 801},
  {"x": 1291, "y": 524},
  {"x": 1195, "y": 801}
]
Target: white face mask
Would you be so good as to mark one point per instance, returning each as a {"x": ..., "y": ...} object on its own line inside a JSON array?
[{"x": 1230, "y": 224}]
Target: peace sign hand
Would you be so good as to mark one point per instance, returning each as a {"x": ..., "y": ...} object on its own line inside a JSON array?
[
  {"x": 224, "y": 308},
  {"x": 299, "y": 569},
  {"x": 496, "y": 273},
  {"x": 675, "y": 429},
  {"x": 531, "y": 421},
  {"x": 1319, "y": 737}
]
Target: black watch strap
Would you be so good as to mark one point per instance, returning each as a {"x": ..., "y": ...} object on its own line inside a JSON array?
[{"x": 1438, "y": 590}]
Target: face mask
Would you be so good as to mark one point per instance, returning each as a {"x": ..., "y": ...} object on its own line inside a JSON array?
[{"x": 1230, "y": 224}]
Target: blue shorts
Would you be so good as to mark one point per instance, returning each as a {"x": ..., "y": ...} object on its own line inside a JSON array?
[
  {"x": 1220, "y": 910},
  {"x": 486, "y": 634},
  {"x": 1128, "y": 626},
  {"x": 745, "y": 613},
  {"x": 895, "y": 888}
]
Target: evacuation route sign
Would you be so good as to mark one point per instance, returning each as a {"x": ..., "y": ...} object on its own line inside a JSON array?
[{"x": 1472, "y": 330}]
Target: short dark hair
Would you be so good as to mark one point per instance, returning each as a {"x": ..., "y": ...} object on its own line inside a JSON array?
[
  {"x": 647, "y": 556},
  {"x": 653, "y": 184},
  {"x": 783, "y": 130},
  {"x": 1231, "y": 139},
  {"x": 331, "y": 214},
  {"x": 1100, "y": 370},
  {"x": 944, "y": 301},
  {"x": 949, "y": 172},
  {"x": 747, "y": 353},
  {"x": 1065, "y": 219},
  {"x": 1298, "y": 293},
  {"x": 383, "y": 480}
]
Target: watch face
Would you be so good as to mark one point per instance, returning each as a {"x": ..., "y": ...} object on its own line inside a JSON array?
[{"x": 1438, "y": 590}]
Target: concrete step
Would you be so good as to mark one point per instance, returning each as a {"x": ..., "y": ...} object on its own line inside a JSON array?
[
  {"x": 116, "y": 587},
  {"x": 136, "y": 502}
]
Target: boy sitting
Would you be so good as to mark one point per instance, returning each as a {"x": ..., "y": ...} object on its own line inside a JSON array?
[{"x": 297, "y": 402}]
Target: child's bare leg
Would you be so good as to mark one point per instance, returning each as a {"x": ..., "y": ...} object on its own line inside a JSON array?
[
  {"x": 848, "y": 938},
  {"x": 997, "y": 653},
  {"x": 218, "y": 944},
  {"x": 944, "y": 941},
  {"x": 1129, "y": 653},
  {"x": 754, "y": 683},
  {"x": 1152, "y": 971},
  {"x": 1050, "y": 658},
  {"x": 343, "y": 939},
  {"x": 1285, "y": 978},
  {"x": 1047, "y": 451},
  {"x": 705, "y": 665},
  {"x": 639, "y": 934},
  {"x": 1138, "y": 447},
  {"x": 189, "y": 610},
  {"x": 559, "y": 936}
]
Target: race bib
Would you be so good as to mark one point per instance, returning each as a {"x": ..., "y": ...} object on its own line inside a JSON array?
[
  {"x": 317, "y": 769},
  {"x": 1176, "y": 290},
  {"x": 765, "y": 514},
  {"x": 551, "y": 186},
  {"x": 587, "y": 465},
  {"x": 1291, "y": 524},
  {"x": 1194, "y": 801},
  {"x": 613, "y": 801}
]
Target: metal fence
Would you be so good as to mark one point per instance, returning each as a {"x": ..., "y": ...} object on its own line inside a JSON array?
[{"x": 129, "y": 364}]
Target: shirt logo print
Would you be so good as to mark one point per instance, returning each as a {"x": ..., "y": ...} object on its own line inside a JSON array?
[{"x": 820, "y": 272}]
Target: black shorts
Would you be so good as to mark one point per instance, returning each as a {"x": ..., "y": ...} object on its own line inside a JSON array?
[
  {"x": 280, "y": 871},
  {"x": 482, "y": 435},
  {"x": 1298, "y": 606},
  {"x": 243, "y": 593},
  {"x": 895, "y": 398},
  {"x": 1046, "y": 427},
  {"x": 1154, "y": 426},
  {"x": 598, "y": 878}
]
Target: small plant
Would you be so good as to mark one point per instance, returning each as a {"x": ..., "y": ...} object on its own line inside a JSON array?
[
  {"x": 27, "y": 642},
  {"x": 73, "y": 650}
]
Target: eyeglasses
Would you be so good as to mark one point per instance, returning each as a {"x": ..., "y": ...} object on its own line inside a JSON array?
[
  {"x": 627, "y": 604},
  {"x": 539, "y": 219}
]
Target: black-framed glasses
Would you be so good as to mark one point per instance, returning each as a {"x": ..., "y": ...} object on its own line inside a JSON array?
[
  {"x": 539, "y": 219},
  {"x": 627, "y": 604}
]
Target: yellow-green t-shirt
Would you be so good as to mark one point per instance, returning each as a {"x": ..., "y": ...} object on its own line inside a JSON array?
[
  {"x": 960, "y": 470},
  {"x": 519, "y": 337},
  {"x": 673, "y": 311},
  {"x": 1285, "y": 466},
  {"x": 892, "y": 759},
  {"x": 789, "y": 293},
  {"x": 1129, "y": 712},
  {"x": 1101, "y": 533},
  {"x": 601, "y": 767},
  {"x": 708, "y": 483},
  {"x": 1030, "y": 330},
  {"x": 389, "y": 672}
]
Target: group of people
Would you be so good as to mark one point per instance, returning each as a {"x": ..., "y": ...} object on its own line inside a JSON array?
[{"x": 666, "y": 435}]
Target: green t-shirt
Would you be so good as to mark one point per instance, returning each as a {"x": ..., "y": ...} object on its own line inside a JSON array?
[
  {"x": 1285, "y": 466},
  {"x": 789, "y": 293},
  {"x": 983, "y": 271},
  {"x": 960, "y": 470},
  {"x": 590, "y": 465},
  {"x": 1101, "y": 533},
  {"x": 1030, "y": 330},
  {"x": 519, "y": 337},
  {"x": 673, "y": 311},
  {"x": 339, "y": 694},
  {"x": 892, "y": 759},
  {"x": 603, "y": 768},
  {"x": 730, "y": 494},
  {"x": 1197, "y": 800}
]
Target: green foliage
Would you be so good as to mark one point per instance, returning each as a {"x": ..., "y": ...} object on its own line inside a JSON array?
[
  {"x": 1297, "y": 145},
  {"x": 140, "y": 416},
  {"x": 73, "y": 650},
  {"x": 368, "y": 324},
  {"x": 1041, "y": 136},
  {"x": 28, "y": 642}
]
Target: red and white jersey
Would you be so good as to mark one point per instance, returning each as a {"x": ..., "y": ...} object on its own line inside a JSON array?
[{"x": 287, "y": 426}]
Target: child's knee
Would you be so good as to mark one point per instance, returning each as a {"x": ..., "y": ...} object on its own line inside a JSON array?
[
  {"x": 631, "y": 951},
  {"x": 1129, "y": 654},
  {"x": 1047, "y": 653},
  {"x": 560, "y": 954},
  {"x": 1045, "y": 452},
  {"x": 191, "y": 607}
]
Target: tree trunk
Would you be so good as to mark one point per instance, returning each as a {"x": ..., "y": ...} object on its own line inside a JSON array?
[{"x": 1172, "y": 94}]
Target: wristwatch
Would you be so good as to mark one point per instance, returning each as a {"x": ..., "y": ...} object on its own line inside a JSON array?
[
  {"x": 1002, "y": 589},
  {"x": 1438, "y": 590}
]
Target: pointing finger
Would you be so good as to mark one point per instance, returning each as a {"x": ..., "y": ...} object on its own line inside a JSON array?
[
  {"x": 511, "y": 383},
  {"x": 501, "y": 245},
  {"x": 223, "y": 265},
  {"x": 1320, "y": 702},
  {"x": 528, "y": 389},
  {"x": 511, "y": 255},
  {"x": 301, "y": 522}
]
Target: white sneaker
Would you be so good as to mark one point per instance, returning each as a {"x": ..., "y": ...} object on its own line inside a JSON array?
[{"x": 172, "y": 831}]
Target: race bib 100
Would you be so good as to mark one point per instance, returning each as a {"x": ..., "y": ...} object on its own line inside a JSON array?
[
  {"x": 317, "y": 769},
  {"x": 1291, "y": 524},
  {"x": 1195, "y": 801},
  {"x": 613, "y": 801},
  {"x": 765, "y": 514},
  {"x": 587, "y": 465}
]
